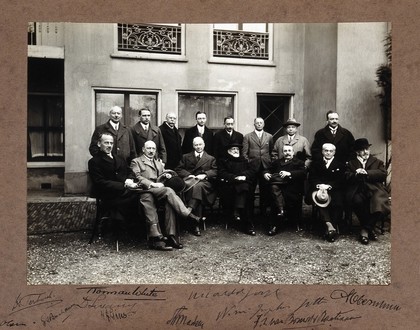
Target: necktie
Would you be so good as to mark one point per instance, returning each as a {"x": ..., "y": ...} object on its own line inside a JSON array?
[{"x": 198, "y": 157}]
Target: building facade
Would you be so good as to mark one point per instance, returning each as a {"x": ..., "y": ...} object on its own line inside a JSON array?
[{"x": 78, "y": 71}]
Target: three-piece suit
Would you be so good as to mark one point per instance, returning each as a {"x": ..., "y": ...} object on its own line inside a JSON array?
[{"x": 191, "y": 133}]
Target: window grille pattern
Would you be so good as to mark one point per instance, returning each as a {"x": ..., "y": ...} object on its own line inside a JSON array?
[
  {"x": 240, "y": 44},
  {"x": 163, "y": 39}
]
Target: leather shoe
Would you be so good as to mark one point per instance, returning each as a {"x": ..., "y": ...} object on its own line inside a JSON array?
[
  {"x": 196, "y": 231},
  {"x": 331, "y": 235},
  {"x": 372, "y": 235},
  {"x": 272, "y": 231},
  {"x": 159, "y": 244},
  {"x": 236, "y": 218},
  {"x": 251, "y": 232},
  {"x": 174, "y": 243},
  {"x": 364, "y": 240}
]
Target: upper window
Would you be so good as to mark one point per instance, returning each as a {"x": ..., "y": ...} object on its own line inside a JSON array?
[
  {"x": 150, "y": 38},
  {"x": 130, "y": 102},
  {"x": 244, "y": 41}
]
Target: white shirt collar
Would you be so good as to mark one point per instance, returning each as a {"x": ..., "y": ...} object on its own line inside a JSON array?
[
  {"x": 362, "y": 161},
  {"x": 259, "y": 133},
  {"x": 327, "y": 162},
  {"x": 200, "y": 129},
  {"x": 114, "y": 125},
  {"x": 198, "y": 154},
  {"x": 145, "y": 127}
]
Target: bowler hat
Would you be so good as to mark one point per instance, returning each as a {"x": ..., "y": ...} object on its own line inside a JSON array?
[
  {"x": 176, "y": 183},
  {"x": 361, "y": 144},
  {"x": 291, "y": 121},
  {"x": 321, "y": 197}
]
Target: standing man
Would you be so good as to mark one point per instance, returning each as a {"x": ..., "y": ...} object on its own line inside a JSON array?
[
  {"x": 200, "y": 130},
  {"x": 198, "y": 169},
  {"x": 335, "y": 134},
  {"x": 147, "y": 170},
  {"x": 172, "y": 141},
  {"x": 123, "y": 140},
  {"x": 225, "y": 137},
  {"x": 286, "y": 177},
  {"x": 326, "y": 185},
  {"x": 366, "y": 194},
  {"x": 300, "y": 144},
  {"x": 258, "y": 145},
  {"x": 144, "y": 131}
]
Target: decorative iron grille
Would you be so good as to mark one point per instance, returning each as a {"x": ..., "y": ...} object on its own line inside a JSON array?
[
  {"x": 160, "y": 39},
  {"x": 240, "y": 44}
]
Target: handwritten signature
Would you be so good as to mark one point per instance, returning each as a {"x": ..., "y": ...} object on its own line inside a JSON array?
[
  {"x": 179, "y": 318},
  {"x": 23, "y": 302}
]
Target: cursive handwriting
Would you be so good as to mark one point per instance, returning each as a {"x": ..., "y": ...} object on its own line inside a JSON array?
[
  {"x": 152, "y": 294},
  {"x": 230, "y": 311},
  {"x": 12, "y": 323},
  {"x": 241, "y": 293},
  {"x": 23, "y": 302},
  {"x": 178, "y": 318},
  {"x": 110, "y": 314},
  {"x": 309, "y": 303},
  {"x": 353, "y": 297},
  {"x": 321, "y": 318}
]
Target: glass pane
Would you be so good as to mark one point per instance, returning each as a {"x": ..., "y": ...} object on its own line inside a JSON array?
[
  {"x": 104, "y": 103},
  {"x": 139, "y": 101},
  {"x": 55, "y": 144},
  {"x": 226, "y": 26},
  {"x": 55, "y": 112},
  {"x": 255, "y": 27},
  {"x": 36, "y": 144},
  {"x": 188, "y": 105},
  {"x": 35, "y": 111},
  {"x": 218, "y": 108}
]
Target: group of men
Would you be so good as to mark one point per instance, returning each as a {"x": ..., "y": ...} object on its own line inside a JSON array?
[{"x": 145, "y": 164}]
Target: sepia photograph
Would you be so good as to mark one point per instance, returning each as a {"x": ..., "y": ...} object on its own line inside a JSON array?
[{"x": 235, "y": 153}]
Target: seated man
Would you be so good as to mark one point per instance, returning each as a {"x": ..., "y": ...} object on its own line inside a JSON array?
[
  {"x": 197, "y": 168},
  {"x": 111, "y": 178},
  {"x": 239, "y": 176},
  {"x": 286, "y": 176},
  {"x": 147, "y": 170},
  {"x": 366, "y": 194},
  {"x": 327, "y": 174}
]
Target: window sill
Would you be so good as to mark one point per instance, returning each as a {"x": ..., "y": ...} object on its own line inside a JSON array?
[
  {"x": 238, "y": 61},
  {"x": 151, "y": 57},
  {"x": 45, "y": 51},
  {"x": 44, "y": 164}
]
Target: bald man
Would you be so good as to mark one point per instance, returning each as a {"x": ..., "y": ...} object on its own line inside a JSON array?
[
  {"x": 123, "y": 140},
  {"x": 172, "y": 140}
]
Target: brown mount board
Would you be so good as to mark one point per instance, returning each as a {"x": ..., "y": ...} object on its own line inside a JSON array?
[{"x": 374, "y": 307}]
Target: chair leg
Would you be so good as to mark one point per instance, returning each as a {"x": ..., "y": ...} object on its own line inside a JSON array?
[{"x": 98, "y": 219}]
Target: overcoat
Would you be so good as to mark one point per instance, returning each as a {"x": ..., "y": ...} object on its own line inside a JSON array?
[
  {"x": 343, "y": 141},
  {"x": 299, "y": 143},
  {"x": 172, "y": 140},
  {"x": 259, "y": 149},
  {"x": 189, "y": 136},
  {"x": 144, "y": 172},
  {"x": 108, "y": 175},
  {"x": 189, "y": 165},
  {"x": 154, "y": 134},
  {"x": 373, "y": 182},
  {"x": 230, "y": 167},
  {"x": 334, "y": 175},
  {"x": 123, "y": 141},
  {"x": 222, "y": 139},
  {"x": 291, "y": 187}
]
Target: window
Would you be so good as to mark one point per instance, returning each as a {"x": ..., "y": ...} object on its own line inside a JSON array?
[
  {"x": 131, "y": 102},
  {"x": 243, "y": 41},
  {"x": 216, "y": 107},
  {"x": 45, "y": 128},
  {"x": 150, "y": 38}
]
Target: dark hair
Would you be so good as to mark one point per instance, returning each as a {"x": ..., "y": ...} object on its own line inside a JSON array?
[
  {"x": 142, "y": 109},
  {"x": 330, "y": 112},
  {"x": 200, "y": 113},
  {"x": 226, "y": 118}
]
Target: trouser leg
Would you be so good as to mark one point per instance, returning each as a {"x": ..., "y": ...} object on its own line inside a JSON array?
[{"x": 147, "y": 201}]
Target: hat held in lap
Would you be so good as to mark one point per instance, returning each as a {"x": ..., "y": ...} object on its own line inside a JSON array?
[{"x": 321, "y": 196}]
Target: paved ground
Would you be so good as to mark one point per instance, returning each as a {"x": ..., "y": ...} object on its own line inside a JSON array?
[{"x": 59, "y": 253}]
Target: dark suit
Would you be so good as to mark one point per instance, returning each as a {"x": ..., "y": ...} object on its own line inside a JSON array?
[
  {"x": 203, "y": 191},
  {"x": 288, "y": 192},
  {"x": 222, "y": 139},
  {"x": 123, "y": 141},
  {"x": 147, "y": 172},
  {"x": 334, "y": 176},
  {"x": 172, "y": 145},
  {"x": 191, "y": 133},
  {"x": 343, "y": 141},
  {"x": 108, "y": 176},
  {"x": 366, "y": 194},
  {"x": 259, "y": 150},
  {"x": 154, "y": 134}
]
